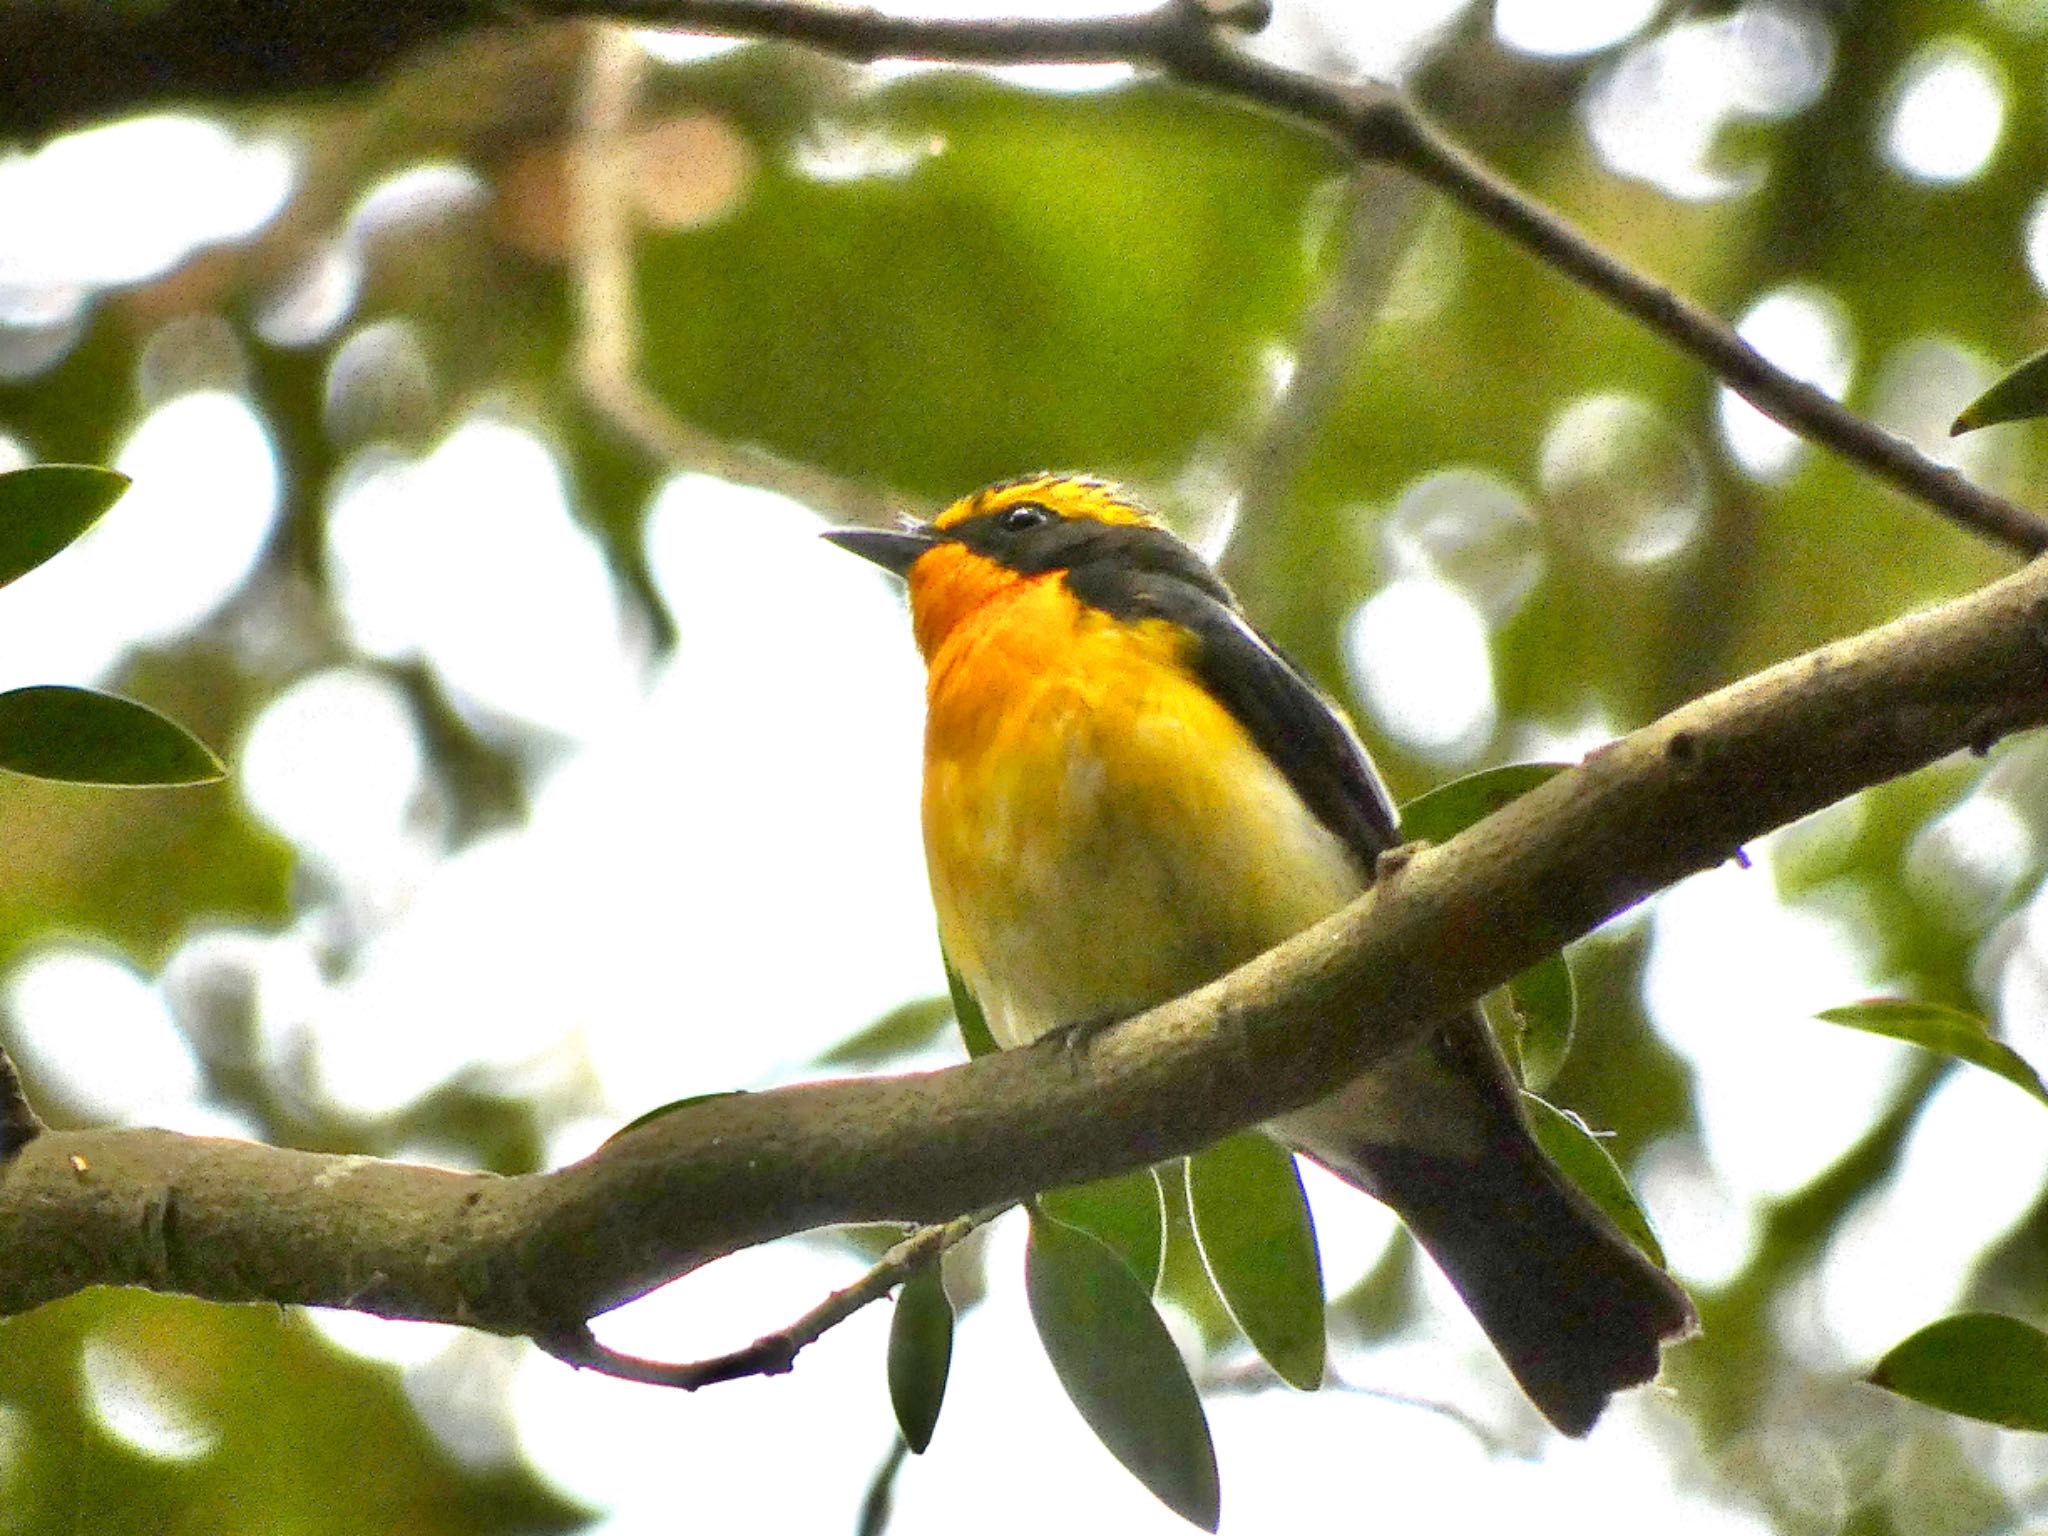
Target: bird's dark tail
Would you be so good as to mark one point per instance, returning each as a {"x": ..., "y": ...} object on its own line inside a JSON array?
[{"x": 1575, "y": 1309}]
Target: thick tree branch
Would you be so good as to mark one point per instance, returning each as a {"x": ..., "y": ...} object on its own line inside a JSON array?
[{"x": 535, "y": 1255}]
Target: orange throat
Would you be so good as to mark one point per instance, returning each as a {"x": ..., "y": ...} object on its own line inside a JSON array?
[{"x": 949, "y": 586}]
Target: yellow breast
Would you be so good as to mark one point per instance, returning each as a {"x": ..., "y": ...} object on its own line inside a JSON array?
[{"x": 1102, "y": 834}]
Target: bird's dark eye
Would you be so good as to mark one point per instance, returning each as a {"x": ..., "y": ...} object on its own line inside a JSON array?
[{"x": 1023, "y": 517}]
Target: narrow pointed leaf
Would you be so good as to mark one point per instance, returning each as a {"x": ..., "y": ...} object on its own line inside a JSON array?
[
  {"x": 1126, "y": 1212},
  {"x": 1949, "y": 1031},
  {"x": 899, "y": 1032},
  {"x": 82, "y": 737},
  {"x": 1592, "y": 1167},
  {"x": 973, "y": 1023},
  {"x": 1982, "y": 1365},
  {"x": 1120, "y": 1368},
  {"x": 920, "y": 1355},
  {"x": 1545, "y": 1004},
  {"x": 2022, "y": 393},
  {"x": 1450, "y": 808},
  {"x": 1258, "y": 1243},
  {"x": 46, "y": 506}
]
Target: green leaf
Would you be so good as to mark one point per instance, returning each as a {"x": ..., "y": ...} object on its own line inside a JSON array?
[
  {"x": 82, "y": 737},
  {"x": 1545, "y": 1003},
  {"x": 1948, "y": 1031},
  {"x": 1449, "y": 809},
  {"x": 1982, "y": 1365},
  {"x": 46, "y": 506},
  {"x": 899, "y": 1032},
  {"x": 973, "y": 1023},
  {"x": 1588, "y": 1163},
  {"x": 663, "y": 1111},
  {"x": 1119, "y": 1366},
  {"x": 1126, "y": 1212},
  {"x": 2021, "y": 394},
  {"x": 920, "y": 1355},
  {"x": 1252, "y": 1225}
]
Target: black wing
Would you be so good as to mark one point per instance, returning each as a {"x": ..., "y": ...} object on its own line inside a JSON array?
[{"x": 1267, "y": 694}]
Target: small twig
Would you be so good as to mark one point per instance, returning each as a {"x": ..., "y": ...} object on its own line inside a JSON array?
[
  {"x": 774, "y": 1353},
  {"x": 1254, "y": 1375},
  {"x": 19, "y": 1123}
]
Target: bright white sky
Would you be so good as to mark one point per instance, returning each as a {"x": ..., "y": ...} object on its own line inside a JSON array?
[{"x": 639, "y": 935}]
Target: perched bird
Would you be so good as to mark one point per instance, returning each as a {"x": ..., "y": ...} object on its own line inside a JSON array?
[{"x": 1128, "y": 791}]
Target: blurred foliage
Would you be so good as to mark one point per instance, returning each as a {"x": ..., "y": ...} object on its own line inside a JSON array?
[
  {"x": 922, "y": 282},
  {"x": 230, "y": 1420}
]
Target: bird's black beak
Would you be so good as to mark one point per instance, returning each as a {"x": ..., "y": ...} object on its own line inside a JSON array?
[{"x": 893, "y": 549}]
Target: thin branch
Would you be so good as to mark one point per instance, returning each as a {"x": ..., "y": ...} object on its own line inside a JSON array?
[
  {"x": 1255, "y": 1375},
  {"x": 1791, "y": 402},
  {"x": 138, "y": 54},
  {"x": 538, "y": 1254},
  {"x": 774, "y": 1353},
  {"x": 606, "y": 359},
  {"x": 1375, "y": 124},
  {"x": 1379, "y": 221},
  {"x": 19, "y": 1123}
]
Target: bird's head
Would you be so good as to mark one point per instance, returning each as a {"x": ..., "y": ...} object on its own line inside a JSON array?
[{"x": 1035, "y": 528}]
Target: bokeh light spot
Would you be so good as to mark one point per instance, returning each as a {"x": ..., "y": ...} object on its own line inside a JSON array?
[
  {"x": 1971, "y": 1168},
  {"x": 1805, "y": 331},
  {"x": 1920, "y": 386},
  {"x": 1948, "y": 113},
  {"x": 335, "y": 764},
  {"x": 1659, "y": 112},
  {"x": 138, "y": 1408},
  {"x": 1472, "y": 530},
  {"x": 834, "y": 153},
  {"x": 126, "y": 201},
  {"x": 189, "y": 355},
  {"x": 1549, "y": 30},
  {"x": 672, "y": 47},
  {"x": 100, "y": 1035},
  {"x": 2037, "y": 241},
  {"x": 1418, "y": 653},
  {"x": 1620, "y": 481},
  {"x": 1733, "y": 979},
  {"x": 380, "y": 384},
  {"x": 168, "y": 553},
  {"x": 486, "y": 514}
]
